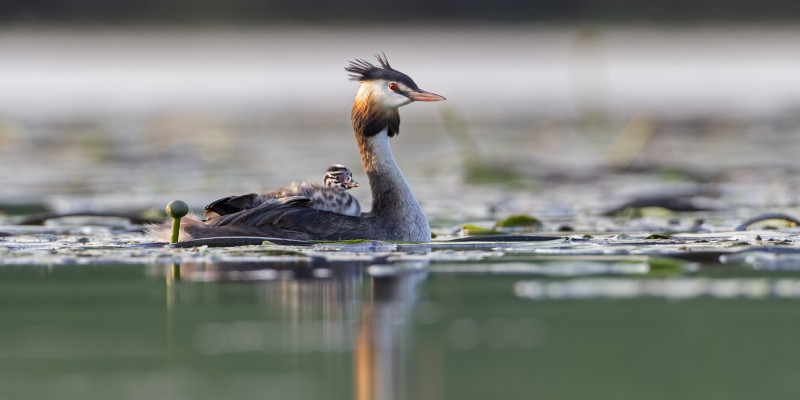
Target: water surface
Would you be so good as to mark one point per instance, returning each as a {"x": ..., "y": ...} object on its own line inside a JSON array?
[{"x": 132, "y": 331}]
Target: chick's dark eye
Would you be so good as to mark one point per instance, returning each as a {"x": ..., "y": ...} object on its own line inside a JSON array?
[{"x": 392, "y": 85}]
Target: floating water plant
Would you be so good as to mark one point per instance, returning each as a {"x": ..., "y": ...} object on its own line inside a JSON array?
[
  {"x": 519, "y": 221},
  {"x": 769, "y": 220},
  {"x": 176, "y": 209},
  {"x": 633, "y": 212},
  {"x": 469, "y": 229}
]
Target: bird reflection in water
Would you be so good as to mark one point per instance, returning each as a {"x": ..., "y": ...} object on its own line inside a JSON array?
[{"x": 323, "y": 306}]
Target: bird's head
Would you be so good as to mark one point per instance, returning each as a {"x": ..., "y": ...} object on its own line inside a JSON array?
[
  {"x": 339, "y": 176},
  {"x": 382, "y": 91},
  {"x": 385, "y": 86}
]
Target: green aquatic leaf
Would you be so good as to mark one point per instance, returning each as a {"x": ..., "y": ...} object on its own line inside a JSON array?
[
  {"x": 469, "y": 229},
  {"x": 644, "y": 212},
  {"x": 519, "y": 221}
]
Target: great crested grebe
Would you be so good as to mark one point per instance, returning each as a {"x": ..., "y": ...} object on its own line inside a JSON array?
[
  {"x": 395, "y": 213},
  {"x": 330, "y": 196}
]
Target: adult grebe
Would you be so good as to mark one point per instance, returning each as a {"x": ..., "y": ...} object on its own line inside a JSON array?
[
  {"x": 395, "y": 213},
  {"x": 330, "y": 196}
]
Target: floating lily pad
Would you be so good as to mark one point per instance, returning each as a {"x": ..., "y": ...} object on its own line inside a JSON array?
[
  {"x": 519, "y": 221},
  {"x": 769, "y": 221},
  {"x": 644, "y": 212},
  {"x": 468, "y": 230}
]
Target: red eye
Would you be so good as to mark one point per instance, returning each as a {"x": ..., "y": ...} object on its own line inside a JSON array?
[{"x": 392, "y": 86}]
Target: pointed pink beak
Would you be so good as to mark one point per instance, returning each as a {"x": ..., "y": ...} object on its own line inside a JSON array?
[{"x": 423, "y": 96}]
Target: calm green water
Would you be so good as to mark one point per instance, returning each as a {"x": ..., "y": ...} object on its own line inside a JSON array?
[{"x": 133, "y": 332}]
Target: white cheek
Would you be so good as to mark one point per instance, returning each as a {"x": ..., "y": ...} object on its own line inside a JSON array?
[
  {"x": 395, "y": 100},
  {"x": 381, "y": 93},
  {"x": 392, "y": 99}
]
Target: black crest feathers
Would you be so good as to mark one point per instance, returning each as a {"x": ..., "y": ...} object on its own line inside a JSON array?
[
  {"x": 363, "y": 70},
  {"x": 383, "y": 61}
]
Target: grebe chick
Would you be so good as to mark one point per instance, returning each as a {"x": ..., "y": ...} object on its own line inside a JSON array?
[
  {"x": 395, "y": 213},
  {"x": 337, "y": 175},
  {"x": 330, "y": 196}
]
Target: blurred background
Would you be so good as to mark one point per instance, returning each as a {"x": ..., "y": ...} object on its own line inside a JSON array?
[{"x": 565, "y": 108}]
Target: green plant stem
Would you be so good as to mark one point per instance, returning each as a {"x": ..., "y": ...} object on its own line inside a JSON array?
[{"x": 176, "y": 229}]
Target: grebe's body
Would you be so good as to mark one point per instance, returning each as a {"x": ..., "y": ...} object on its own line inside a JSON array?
[
  {"x": 330, "y": 196},
  {"x": 395, "y": 213}
]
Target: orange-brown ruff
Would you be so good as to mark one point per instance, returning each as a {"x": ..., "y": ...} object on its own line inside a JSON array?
[
  {"x": 395, "y": 212},
  {"x": 370, "y": 120}
]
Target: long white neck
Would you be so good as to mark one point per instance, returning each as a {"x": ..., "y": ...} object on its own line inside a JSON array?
[{"x": 393, "y": 202}]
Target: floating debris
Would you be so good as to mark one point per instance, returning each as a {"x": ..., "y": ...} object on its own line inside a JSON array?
[
  {"x": 781, "y": 219},
  {"x": 672, "y": 289},
  {"x": 548, "y": 268},
  {"x": 499, "y": 237}
]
